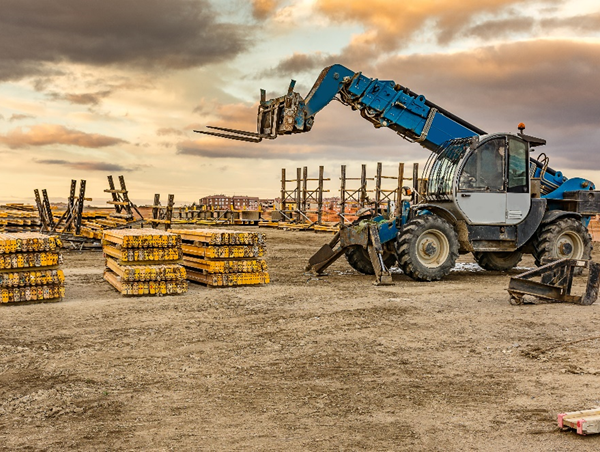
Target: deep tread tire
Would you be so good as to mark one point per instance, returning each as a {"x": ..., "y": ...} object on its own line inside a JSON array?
[
  {"x": 359, "y": 260},
  {"x": 413, "y": 257},
  {"x": 498, "y": 261},
  {"x": 551, "y": 239}
]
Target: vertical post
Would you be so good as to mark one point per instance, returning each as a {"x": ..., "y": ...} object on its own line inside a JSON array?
[
  {"x": 399, "y": 189},
  {"x": 283, "y": 191},
  {"x": 304, "y": 190},
  {"x": 298, "y": 193},
  {"x": 363, "y": 186},
  {"x": 342, "y": 194},
  {"x": 320, "y": 196},
  {"x": 71, "y": 201},
  {"x": 72, "y": 194},
  {"x": 416, "y": 181},
  {"x": 155, "y": 210},
  {"x": 169, "y": 211},
  {"x": 378, "y": 188},
  {"x": 49, "y": 215},
  {"x": 80, "y": 201},
  {"x": 125, "y": 196},
  {"x": 41, "y": 213},
  {"x": 115, "y": 198}
]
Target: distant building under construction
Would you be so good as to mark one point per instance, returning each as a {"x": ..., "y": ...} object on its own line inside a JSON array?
[{"x": 222, "y": 202}]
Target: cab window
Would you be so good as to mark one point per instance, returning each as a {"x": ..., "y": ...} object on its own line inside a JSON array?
[
  {"x": 484, "y": 168},
  {"x": 517, "y": 166}
]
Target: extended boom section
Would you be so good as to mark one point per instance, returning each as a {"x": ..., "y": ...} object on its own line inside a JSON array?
[{"x": 384, "y": 103}]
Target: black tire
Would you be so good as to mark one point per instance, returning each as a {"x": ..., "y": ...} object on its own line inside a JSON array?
[
  {"x": 359, "y": 260},
  {"x": 498, "y": 261},
  {"x": 427, "y": 248},
  {"x": 563, "y": 238}
]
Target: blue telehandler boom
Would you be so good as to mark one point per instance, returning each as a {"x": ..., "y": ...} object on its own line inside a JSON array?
[{"x": 480, "y": 193}]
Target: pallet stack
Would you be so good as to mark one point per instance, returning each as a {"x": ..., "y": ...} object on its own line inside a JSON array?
[
  {"x": 218, "y": 257},
  {"x": 144, "y": 262},
  {"x": 29, "y": 268}
]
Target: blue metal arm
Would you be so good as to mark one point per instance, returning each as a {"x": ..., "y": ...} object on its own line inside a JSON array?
[{"x": 384, "y": 103}]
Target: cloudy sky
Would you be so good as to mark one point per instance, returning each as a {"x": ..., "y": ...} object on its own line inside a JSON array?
[{"x": 97, "y": 87}]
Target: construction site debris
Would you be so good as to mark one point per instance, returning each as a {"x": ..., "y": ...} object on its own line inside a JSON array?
[
  {"x": 585, "y": 422},
  {"x": 220, "y": 258},
  {"x": 28, "y": 268},
  {"x": 556, "y": 283},
  {"x": 144, "y": 262}
]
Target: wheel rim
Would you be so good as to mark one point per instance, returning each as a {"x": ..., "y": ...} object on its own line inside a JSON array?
[
  {"x": 433, "y": 248},
  {"x": 569, "y": 246}
]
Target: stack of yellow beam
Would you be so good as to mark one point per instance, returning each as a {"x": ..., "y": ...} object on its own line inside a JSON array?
[
  {"x": 29, "y": 268},
  {"x": 144, "y": 262},
  {"x": 18, "y": 220},
  {"x": 218, "y": 257}
]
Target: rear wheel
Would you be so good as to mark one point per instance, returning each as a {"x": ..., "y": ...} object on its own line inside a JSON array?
[
  {"x": 427, "y": 248},
  {"x": 498, "y": 261},
  {"x": 565, "y": 238},
  {"x": 359, "y": 260}
]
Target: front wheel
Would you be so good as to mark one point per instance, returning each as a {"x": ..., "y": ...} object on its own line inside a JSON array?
[
  {"x": 565, "y": 238},
  {"x": 359, "y": 260},
  {"x": 498, "y": 261},
  {"x": 427, "y": 248}
]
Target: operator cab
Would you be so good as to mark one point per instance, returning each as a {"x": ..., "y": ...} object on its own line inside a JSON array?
[
  {"x": 492, "y": 186},
  {"x": 484, "y": 179}
]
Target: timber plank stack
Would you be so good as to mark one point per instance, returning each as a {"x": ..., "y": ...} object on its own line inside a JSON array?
[
  {"x": 219, "y": 258},
  {"x": 29, "y": 268},
  {"x": 18, "y": 218},
  {"x": 144, "y": 262}
]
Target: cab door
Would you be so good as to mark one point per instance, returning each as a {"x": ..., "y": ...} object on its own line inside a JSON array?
[
  {"x": 518, "y": 198},
  {"x": 481, "y": 193}
]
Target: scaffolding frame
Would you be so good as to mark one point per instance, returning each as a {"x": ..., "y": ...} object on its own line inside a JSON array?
[
  {"x": 302, "y": 196},
  {"x": 120, "y": 200},
  {"x": 162, "y": 215}
]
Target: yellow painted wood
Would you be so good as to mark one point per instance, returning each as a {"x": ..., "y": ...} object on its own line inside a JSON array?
[
  {"x": 137, "y": 273},
  {"x": 229, "y": 279},
  {"x": 224, "y": 252},
  {"x": 147, "y": 287},
  {"x": 226, "y": 266},
  {"x": 33, "y": 293}
]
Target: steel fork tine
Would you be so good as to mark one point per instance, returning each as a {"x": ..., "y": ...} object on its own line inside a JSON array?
[
  {"x": 231, "y": 137},
  {"x": 239, "y": 132}
]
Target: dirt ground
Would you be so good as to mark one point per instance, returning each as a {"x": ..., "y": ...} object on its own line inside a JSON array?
[{"x": 304, "y": 363}]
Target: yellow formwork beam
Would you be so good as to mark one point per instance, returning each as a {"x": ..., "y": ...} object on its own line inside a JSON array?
[
  {"x": 141, "y": 238},
  {"x": 147, "y": 287},
  {"x": 28, "y": 260},
  {"x": 31, "y": 278},
  {"x": 229, "y": 279},
  {"x": 34, "y": 293},
  {"x": 140, "y": 273},
  {"x": 221, "y": 252},
  {"x": 27, "y": 242},
  {"x": 226, "y": 266},
  {"x": 141, "y": 255},
  {"x": 221, "y": 236}
]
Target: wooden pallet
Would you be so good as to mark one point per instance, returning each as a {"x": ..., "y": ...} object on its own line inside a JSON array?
[{"x": 586, "y": 422}]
